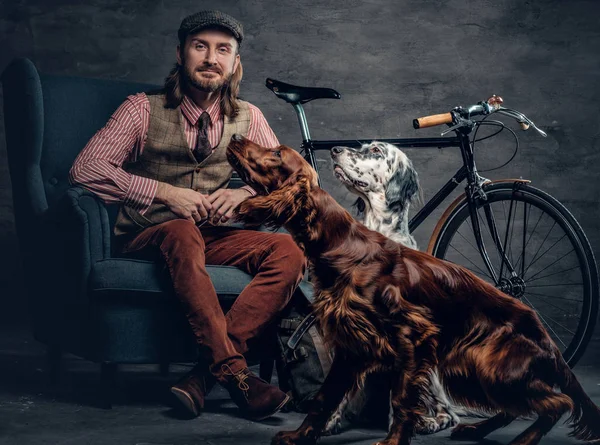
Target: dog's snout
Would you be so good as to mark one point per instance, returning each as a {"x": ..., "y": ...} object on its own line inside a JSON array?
[{"x": 237, "y": 137}]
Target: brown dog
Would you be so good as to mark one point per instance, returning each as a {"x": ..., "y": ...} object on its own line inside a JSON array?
[{"x": 386, "y": 307}]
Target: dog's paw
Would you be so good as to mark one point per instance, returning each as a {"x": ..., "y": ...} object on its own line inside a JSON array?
[
  {"x": 334, "y": 425},
  {"x": 427, "y": 425},
  {"x": 454, "y": 419},
  {"x": 292, "y": 438},
  {"x": 386, "y": 442},
  {"x": 432, "y": 425},
  {"x": 284, "y": 438},
  {"x": 466, "y": 432}
]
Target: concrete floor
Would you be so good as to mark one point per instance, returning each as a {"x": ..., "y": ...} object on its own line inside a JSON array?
[{"x": 34, "y": 412}]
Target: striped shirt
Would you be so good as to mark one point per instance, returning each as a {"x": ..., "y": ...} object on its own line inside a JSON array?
[{"x": 98, "y": 167}]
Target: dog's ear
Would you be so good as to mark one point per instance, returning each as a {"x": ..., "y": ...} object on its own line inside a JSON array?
[
  {"x": 278, "y": 207},
  {"x": 360, "y": 206},
  {"x": 402, "y": 187}
]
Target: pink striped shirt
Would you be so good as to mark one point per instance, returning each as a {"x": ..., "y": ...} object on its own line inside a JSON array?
[{"x": 98, "y": 167}]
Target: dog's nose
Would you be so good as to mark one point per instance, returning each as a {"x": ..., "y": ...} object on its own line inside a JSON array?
[
  {"x": 336, "y": 151},
  {"x": 237, "y": 137}
]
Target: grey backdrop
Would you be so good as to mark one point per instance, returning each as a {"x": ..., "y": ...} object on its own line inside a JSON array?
[{"x": 390, "y": 60}]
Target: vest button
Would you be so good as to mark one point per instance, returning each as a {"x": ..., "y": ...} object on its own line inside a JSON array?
[{"x": 198, "y": 169}]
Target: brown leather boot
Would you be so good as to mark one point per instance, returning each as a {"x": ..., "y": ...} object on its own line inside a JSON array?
[
  {"x": 256, "y": 398},
  {"x": 191, "y": 389}
]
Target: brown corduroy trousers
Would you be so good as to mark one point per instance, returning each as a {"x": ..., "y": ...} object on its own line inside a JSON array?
[{"x": 274, "y": 260}]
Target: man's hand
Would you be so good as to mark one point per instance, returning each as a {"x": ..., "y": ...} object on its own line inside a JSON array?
[
  {"x": 224, "y": 201},
  {"x": 185, "y": 203}
]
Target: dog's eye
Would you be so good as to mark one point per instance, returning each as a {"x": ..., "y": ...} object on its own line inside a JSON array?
[
  {"x": 277, "y": 153},
  {"x": 375, "y": 149}
]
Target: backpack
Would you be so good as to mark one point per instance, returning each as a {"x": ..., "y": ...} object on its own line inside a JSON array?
[{"x": 303, "y": 361}]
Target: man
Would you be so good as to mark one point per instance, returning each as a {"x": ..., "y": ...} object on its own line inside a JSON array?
[{"x": 162, "y": 156}]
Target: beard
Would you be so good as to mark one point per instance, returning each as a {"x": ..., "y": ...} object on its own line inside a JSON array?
[{"x": 203, "y": 84}]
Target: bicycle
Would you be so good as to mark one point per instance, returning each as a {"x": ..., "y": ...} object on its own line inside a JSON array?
[{"x": 477, "y": 229}]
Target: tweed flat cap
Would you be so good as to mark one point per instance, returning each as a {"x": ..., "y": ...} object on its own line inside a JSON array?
[{"x": 204, "y": 19}]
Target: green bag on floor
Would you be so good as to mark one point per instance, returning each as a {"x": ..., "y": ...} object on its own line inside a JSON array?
[{"x": 303, "y": 360}]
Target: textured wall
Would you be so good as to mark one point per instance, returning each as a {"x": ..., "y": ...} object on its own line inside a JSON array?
[{"x": 390, "y": 60}]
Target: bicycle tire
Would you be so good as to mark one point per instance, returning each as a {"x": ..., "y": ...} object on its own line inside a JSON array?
[{"x": 502, "y": 192}]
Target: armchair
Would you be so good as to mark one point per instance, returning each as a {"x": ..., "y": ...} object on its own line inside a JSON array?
[{"x": 83, "y": 298}]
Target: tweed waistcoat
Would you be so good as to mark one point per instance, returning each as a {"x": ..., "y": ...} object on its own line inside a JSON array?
[{"x": 168, "y": 158}]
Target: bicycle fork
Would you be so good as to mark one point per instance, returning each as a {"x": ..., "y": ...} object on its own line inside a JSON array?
[{"x": 473, "y": 196}]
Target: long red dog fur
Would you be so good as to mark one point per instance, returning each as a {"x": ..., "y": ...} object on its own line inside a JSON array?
[{"x": 387, "y": 308}]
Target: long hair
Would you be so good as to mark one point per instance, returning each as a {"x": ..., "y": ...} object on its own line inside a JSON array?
[
  {"x": 230, "y": 105},
  {"x": 175, "y": 85}
]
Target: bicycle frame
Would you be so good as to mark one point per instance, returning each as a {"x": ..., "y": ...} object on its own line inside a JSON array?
[
  {"x": 468, "y": 171},
  {"x": 475, "y": 208}
]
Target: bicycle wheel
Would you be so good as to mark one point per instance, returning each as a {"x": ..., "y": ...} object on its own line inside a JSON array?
[{"x": 548, "y": 262}]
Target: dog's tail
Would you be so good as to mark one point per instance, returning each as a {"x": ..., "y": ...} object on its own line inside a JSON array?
[{"x": 585, "y": 417}]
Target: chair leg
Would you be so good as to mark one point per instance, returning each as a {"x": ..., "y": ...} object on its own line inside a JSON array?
[
  {"x": 164, "y": 369},
  {"x": 108, "y": 377},
  {"x": 265, "y": 371},
  {"x": 54, "y": 361}
]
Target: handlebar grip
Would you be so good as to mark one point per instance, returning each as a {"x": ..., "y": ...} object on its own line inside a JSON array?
[{"x": 430, "y": 121}]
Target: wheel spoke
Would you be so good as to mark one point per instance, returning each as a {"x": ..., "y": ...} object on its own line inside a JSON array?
[
  {"x": 508, "y": 246},
  {"x": 554, "y": 297},
  {"x": 468, "y": 242},
  {"x": 535, "y": 257},
  {"x": 545, "y": 322},
  {"x": 524, "y": 241},
  {"x": 547, "y": 250},
  {"x": 549, "y": 318},
  {"x": 463, "y": 255},
  {"x": 551, "y": 274},
  {"x": 530, "y": 236},
  {"x": 554, "y": 285},
  {"x": 549, "y": 303}
]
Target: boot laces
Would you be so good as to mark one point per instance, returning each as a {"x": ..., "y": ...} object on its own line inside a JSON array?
[{"x": 241, "y": 377}]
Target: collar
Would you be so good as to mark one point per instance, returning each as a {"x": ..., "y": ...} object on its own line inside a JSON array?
[{"x": 192, "y": 112}]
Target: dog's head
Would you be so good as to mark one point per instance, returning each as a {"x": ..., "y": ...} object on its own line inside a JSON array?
[
  {"x": 280, "y": 174},
  {"x": 267, "y": 169},
  {"x": 376, "y": 170}
]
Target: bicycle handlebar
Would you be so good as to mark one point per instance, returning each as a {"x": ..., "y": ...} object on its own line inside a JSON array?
[
  {"x": 461, "y": 117},
  {"x": 433, "y": 120}
]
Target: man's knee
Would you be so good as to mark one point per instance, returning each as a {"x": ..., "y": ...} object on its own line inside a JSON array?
[
  {"x": 287, "y": 252},
  {"x": 181, "y": 236}
]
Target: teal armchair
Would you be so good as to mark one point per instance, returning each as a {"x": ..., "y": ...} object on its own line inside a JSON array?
[{"x": 84, "y": 298}]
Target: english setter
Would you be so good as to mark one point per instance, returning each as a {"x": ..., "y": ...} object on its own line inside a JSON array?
[{"x": 386, "y": 183}]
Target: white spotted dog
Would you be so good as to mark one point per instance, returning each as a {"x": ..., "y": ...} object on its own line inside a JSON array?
[{"x": 386, "y": 183}]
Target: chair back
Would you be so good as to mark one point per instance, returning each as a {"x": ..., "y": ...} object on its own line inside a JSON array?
[{"x": 48, "y": 121}]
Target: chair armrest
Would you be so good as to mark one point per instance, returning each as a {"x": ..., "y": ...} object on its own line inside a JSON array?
[
  {"x": 77, "y": 235},
  {"x": 88, "y": 212}
]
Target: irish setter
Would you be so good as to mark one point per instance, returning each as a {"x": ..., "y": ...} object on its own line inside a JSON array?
[{"x": 385, "y": 307}]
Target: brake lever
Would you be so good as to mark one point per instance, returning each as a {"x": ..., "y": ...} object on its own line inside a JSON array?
[
  {"x": 524, "y": 121},
  {"x": 529, "y": 123},
  {"x": 452, "y": 128},
  {"x": 536, "y": 128},
  {"x": 460, "y": 122}
]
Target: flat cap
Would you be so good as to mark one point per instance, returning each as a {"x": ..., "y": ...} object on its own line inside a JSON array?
[{"x": 205, "y": 19}]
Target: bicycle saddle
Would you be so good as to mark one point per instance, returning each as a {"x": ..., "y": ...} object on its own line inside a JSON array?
[{"x": 294, "y": 94}]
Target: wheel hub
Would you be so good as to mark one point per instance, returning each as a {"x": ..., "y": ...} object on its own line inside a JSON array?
[{"x": 513, "y": 286}]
